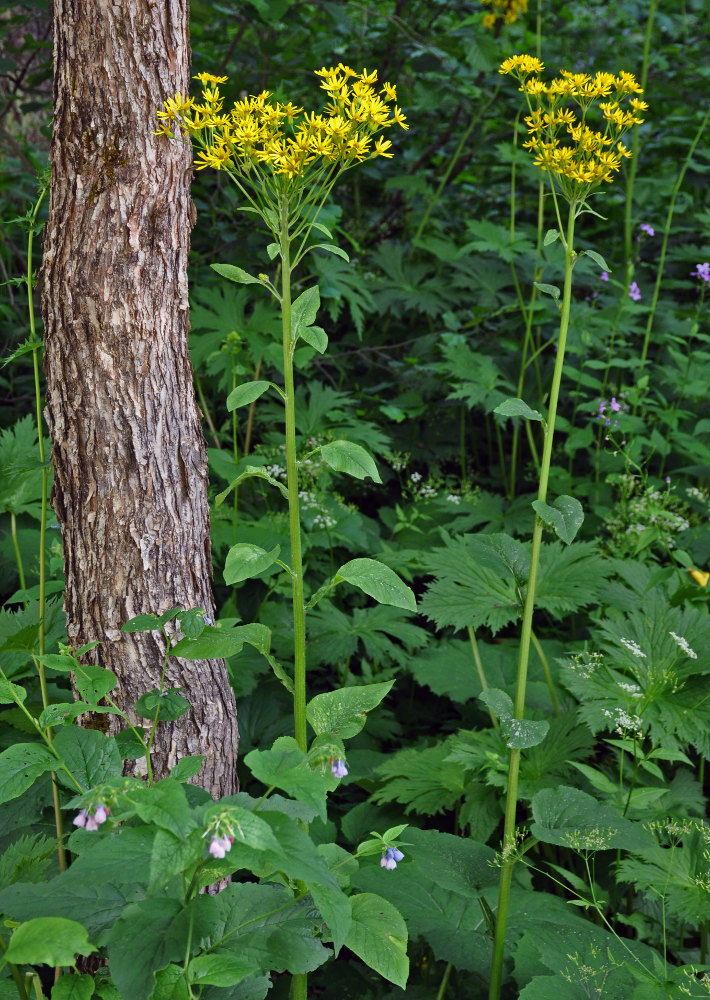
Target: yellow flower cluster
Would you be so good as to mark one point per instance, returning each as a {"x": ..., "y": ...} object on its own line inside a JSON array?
[
  {"x": 268, "y": 137},
  {"x": 506, "y": 11},
  {"x": 561, "y": 139}
]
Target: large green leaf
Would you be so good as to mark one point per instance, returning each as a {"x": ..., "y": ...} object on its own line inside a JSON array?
[
  {"x": 564, "y": 516},
  {"x": 378, "y": 936},
  {"x": 73, "y": 988},
  {"x": 286, "y": 766},
  {"x": 342, "y": 712},
  {"x": 345, "y": 456},
  {"x": 245, "y": 561},
  {"x": 568, "y": 817},
  {"x": 378, "y": 581},
  {"x": 48, "y": 941},
  {"x": 89, "y": 755},
  {"x": 218, "y": 643},
  {"x": 304, "y": 311},
  {"x": 20, "y": 765}
]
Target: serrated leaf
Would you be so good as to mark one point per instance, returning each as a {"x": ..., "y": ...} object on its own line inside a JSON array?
[
  {"x": 167, "y": 705},
  {"x": 378, "y": 581},
  {"x": 245, "y": 561},
  {"x": 236, "y": 274},
  {"x": 286, "y": 767},
  {"x": 517, "y": 408},
  {"x": 342, "y": 713},
  {"x": 344, "y": 456},
  {"x": 246, "y": 393},
  {"x": 20, "y": 765},
  {"x": 552, "y": 290},
  {"x": 48, "y": 941},
  {"x": 565, "y": 516}
]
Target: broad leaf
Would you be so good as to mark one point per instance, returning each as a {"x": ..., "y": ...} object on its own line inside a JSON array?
[
  {"x": 89, "y": 755},
  {"x": 247, "y": 393},
  {"x": 245, "y": 561},
  {"x": 568, "y": 817},
  {"x": 517, "y": 408},
  {"x": 344, "y": 456},
  {"x": 565, "y": 516},
  {"x": 378, "y": 936},
  {"x": 287, "y": 767},
  {"x": 378, "y": 581},
  {"x": 20, "y": 764},
  {"x": 236, "y": 274},
  {"x": 342, "y": 712},
  {"x": 48, "y": 941}
]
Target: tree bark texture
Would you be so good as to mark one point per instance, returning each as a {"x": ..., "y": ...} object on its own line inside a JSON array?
[{"x": 130, "y": 463}]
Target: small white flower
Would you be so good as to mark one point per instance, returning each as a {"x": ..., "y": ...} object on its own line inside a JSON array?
[
  {"x": 632, "y": 690},
  {"x": 416, "y": 477},
  {"x": 633, "y": 647},
  {"x": 683, "y": 643},
  {"x": 453, "y": 498}
]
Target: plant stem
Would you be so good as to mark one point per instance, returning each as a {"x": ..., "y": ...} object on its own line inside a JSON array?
[
  {"x": 480, "y": 671},
  {"x": 526, "y": 634},
  {"x": 631, "y": 179},
  {"x": 444, "y": 981},
  {"x": 294, "y": 520},
  {"x": 548, "y": 674},
  {"x": 16, "y": 547}
]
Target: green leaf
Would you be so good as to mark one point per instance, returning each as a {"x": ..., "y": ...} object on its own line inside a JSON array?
[
  {"x": 73, "y": 988},
  {"x": 246, "y": 393},
  {"x": 273, "y": 250},
  {"x": 517, "y": 408},
  {"x": 569, "y": 817},
  {"x": 286, "y": 766},
  {"x": 550, "y": 236},
  {"x": 48, "y": 941},
  {"x": 88, "y": 754},
  {"x": 129, "y": 743},
  {"x": 316, "y": 337},
  {"x": 61, "y": 713},
  {"x": 251, "y": 472},
  {"x": 304, "y": 311},
  {"x": 221, "y": 969},
  {"x": 236, "y": 274},
  {"x": 331, "y": 248},
  {"x": 377, "y": 581},
  {"x": 565, "y": 516},
  {"x": 521, "y": 734},
  {"x": 167, "y": 706},
  {"x": 20, "y": 765},
  {"x": 187, "y": 767},
  {"x": 598, "y": 259},
  {"x": 11, "y": 694},
  {"x": 336, "y": 910},
  {"x": 552, "y": 290},
  {"x": 165, "y": 804},
  {"x": 93, "y": 682},
  {"x": 218, "y": 643},
  {"x": 146, "y": 938},
  {"x": 342, "y": 713},
  {"x": 344, "y": 456},
  {"x": 245, "y": 561},
  {"x": 378, "y": 936}
]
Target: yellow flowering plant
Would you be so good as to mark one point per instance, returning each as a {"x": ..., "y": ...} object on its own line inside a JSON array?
[
  {"x": 575, "y": 124},
  {"x": 285, "y": 161},
  {"x": 503, "y": 11}
]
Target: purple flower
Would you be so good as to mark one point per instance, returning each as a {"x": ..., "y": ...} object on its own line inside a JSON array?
[
  {"x": 92, "y": 821},
  {"x": 701, "y": 271},
  {"x": 614, "y": 405},
  {"x": 219, "y": 846},
  {"x": 80, "y": 818},
  {"x": 100, "y": 814},
  {"x": 338, "y": 768},
  {"x": 390, "y": 858},
  {"x": 605, "y": 275},
  {"x": 634, "y": 292},
  {"x": 207, "y": 620},
  {"x": 648, "y": 229},
  {"x": 91, "y": 824}
]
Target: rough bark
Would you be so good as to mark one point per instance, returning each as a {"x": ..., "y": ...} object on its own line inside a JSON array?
[{"x": 130, "y": 465}]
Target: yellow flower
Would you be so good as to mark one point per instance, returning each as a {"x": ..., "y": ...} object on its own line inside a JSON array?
[
  {"x": 381, "y": 147},
  {"x": 390, "y": 91},
  {"x": 209, "y": 78},
  {"x": 522, "y": 64}
]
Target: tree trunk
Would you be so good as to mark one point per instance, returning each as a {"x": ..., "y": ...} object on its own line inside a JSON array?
[{"x": 130, "y": 464}]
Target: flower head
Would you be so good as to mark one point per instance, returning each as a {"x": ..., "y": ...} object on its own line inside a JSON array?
[
  {"x": 649, "y": 230},
  {"x": 604, "y": 275},
  {"x": 91, "y": 819},
  {"x": 701, "y": 271},
  {"x": 634, "y": 292},
  {"x": 220, "y": 845},
  {"x": 338, "y": 768},
  {"x": 390, "y": 858}
]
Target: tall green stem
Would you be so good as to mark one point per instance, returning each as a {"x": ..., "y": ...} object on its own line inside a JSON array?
[
  {"x": 299, "y": 983},
  {"x": 294, "y": 519},
  {"x": 508, "y": 861}
]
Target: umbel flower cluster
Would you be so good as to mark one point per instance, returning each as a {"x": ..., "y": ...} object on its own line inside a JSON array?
[
  {"x": 563, "y": 137},
  {"x": 260, "y": 139}
]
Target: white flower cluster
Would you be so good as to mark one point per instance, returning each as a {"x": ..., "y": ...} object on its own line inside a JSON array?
[
  {"x": 684, "y": 645},
  {"x": 633, "y": 647},
  {"x": 585, "y": 664},
  {"x": 626, "y": 725},
  {"x": 453, "y": 498},
  {"x": 632, "y": 690},
  {"x": 275, "y": 471}
]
